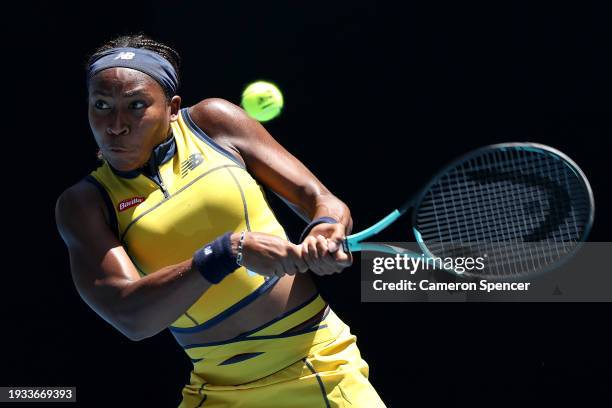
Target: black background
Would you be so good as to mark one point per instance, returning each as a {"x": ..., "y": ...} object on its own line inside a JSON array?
[{"x": 378, "y": 97}]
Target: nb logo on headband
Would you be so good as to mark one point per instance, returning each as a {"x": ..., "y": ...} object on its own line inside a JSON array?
[{"x": 125, "y": 55}]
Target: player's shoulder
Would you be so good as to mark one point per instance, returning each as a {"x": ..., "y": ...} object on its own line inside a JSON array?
[
  {"x": 82, "y": 193},
  {"x": 79, "y": 201},
  {"x": 215, "y": 113}
]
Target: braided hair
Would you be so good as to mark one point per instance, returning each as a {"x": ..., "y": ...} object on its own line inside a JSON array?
[{"x": 141, "y": 40}]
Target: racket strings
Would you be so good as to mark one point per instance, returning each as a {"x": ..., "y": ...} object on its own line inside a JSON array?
[
  {"x": 523, "y": 209},
  {"x": 429, "y": 218}
]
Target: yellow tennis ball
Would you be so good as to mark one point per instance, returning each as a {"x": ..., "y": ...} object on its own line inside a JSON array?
[{"x": 262, "y": 100}]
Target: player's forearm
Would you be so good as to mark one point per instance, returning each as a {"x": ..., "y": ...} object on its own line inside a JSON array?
[{"x": 149, "y": 305}]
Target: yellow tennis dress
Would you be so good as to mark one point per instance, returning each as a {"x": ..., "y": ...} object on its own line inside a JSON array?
[{"x": 191, "y": 192}]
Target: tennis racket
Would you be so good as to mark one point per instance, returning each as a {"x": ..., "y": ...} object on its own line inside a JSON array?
[{"x": 524, "y": 207}]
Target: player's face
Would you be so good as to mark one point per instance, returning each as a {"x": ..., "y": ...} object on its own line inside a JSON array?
[{"x": 128, "y": 115}]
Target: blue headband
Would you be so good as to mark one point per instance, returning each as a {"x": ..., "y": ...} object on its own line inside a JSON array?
[{"x": 140, "y": 59}]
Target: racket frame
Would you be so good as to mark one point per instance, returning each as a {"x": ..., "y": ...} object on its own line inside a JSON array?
[{"x": 356, "y": 242}]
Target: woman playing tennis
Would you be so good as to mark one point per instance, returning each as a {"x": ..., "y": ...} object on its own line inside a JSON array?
[{"x": 173, "y": 231}]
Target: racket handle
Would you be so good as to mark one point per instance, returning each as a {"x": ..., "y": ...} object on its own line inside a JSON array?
[{"x": 345, "y": 246}]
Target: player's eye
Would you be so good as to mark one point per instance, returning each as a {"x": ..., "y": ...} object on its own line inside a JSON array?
[
  {"x": 100, "y": 104},
  {"x": 138, "y": 104}
]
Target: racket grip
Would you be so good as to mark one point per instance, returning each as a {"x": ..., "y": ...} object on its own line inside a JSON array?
[{"x": 345, "y": 246}]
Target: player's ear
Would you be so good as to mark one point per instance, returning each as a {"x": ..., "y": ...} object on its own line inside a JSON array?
[{"x": 175, "y": 106}]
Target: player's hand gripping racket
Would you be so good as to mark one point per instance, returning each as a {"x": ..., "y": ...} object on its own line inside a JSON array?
[{"x": 524, "y": 207}]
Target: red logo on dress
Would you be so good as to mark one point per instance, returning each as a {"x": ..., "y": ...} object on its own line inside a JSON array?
[{"x": 130, "y": 202}]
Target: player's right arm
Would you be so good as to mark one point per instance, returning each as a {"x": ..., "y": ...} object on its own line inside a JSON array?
[
  {"x": 108, "y": 281},
  {"x": 106, "y": 278}
]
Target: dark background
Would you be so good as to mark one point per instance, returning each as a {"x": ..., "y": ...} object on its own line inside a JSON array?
[{"x": 378, "y": 97}]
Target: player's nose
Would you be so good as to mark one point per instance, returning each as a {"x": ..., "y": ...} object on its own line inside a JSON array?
[{"x": 117, "y": 126}]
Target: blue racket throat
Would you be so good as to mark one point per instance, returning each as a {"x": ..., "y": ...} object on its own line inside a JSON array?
[
  {"x": 352, "y": 242},
  {"x": 526, "y": 207}
]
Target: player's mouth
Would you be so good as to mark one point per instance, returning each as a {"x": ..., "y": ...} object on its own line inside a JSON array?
[{"x": 115, "y": 149}]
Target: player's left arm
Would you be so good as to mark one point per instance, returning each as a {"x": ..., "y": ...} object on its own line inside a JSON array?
[{"x": 272, "y": 165}]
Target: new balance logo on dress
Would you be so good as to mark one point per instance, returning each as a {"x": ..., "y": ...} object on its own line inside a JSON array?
[{"x": 191, "y": 163}]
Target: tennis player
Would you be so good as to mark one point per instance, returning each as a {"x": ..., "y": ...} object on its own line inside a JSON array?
[{"x": 173, "y": 231}]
